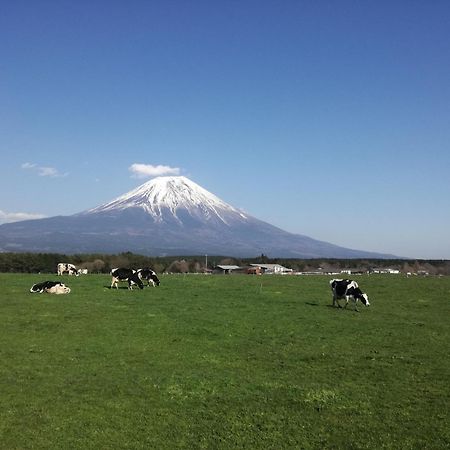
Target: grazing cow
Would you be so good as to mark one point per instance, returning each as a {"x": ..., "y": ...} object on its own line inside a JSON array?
[
  {"x": 349, "y": 290},
  {"x": 50, "y": 287},
  {"x": 148, "y": 275},
  {"x": 122, "y": 274},
  {"x": 67, "y": 267}
]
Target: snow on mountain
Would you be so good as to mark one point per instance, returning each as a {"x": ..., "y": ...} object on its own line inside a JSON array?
[{"x": 163, "y": 194}]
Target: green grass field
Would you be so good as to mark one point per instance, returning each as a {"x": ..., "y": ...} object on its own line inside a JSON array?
[{"x": 224, "y": 362}]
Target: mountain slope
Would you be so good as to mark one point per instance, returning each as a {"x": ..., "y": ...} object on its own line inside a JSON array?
[{"x": 166, "y": 216}]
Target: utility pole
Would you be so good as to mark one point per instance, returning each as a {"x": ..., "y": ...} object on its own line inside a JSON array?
[{"x": 206, "y": 261}]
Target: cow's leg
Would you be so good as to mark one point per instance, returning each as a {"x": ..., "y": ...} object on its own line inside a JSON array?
[
  {"x": 114, "y": 283},
  {"x": 346, "y": 302}
]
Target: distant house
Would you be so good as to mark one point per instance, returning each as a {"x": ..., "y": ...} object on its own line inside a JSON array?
[
  {"x": 319, "y": 271},
  {"x": 386, "y": 270},
  {"x": 423, "y": 273},
  {"x": 225, "y": 268},
  {"x": 272, "y": 268},
  {"x": 353, "y": 271},
  {"x": 253, "y": 271}
]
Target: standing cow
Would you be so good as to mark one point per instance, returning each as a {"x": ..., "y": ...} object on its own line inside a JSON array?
[
  {"x": 67, "y": 268},
  {"x": 349, "y": 290},
  {"x": 129, "y": 275},
  {"x": 148, "y": 275}
]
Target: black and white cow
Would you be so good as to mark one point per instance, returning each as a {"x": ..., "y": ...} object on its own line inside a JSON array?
[
  {"x": 129, "y": 275},
  {"x": 349, "y": 290},
  {"x": 67, "y": 267},
  {"x": 50, "y": 287},
  {"x": 148, "y": 275}
]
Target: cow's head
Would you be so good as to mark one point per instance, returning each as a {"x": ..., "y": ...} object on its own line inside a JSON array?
[
  {"x": 136, "y": 280},
  {"x": 155, "y": 280},
  {"x": 364, "y": 299}
]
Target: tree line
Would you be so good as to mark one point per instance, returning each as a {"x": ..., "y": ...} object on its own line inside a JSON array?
[{"x": 103, "y": 263}]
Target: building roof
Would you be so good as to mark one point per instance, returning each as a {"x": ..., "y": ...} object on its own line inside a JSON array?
[
  {"x": 270, "y": 266},
  {"x": 227, "y": 267}
]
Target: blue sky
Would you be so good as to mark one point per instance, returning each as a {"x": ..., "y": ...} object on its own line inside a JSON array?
[{"x": 325, "y": 118}]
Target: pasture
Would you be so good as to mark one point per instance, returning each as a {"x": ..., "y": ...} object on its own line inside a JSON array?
[{"x": 224, "y": 362}]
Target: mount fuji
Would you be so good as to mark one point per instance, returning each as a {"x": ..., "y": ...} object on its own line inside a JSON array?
[{"x": 166, "y": 216}]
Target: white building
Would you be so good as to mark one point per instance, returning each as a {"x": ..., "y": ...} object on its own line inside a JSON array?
[
  {"x": 386, "y": 270},
  {"x": 273, "y": 268},
  {"x": 226, "y": 268}
]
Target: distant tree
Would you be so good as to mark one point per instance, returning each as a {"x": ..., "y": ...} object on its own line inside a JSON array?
[
  {"x": 95, "y": 266},
  {"x": 263, "y": 259},
  {"x": 228, "y": 261},
  {"x": 195, "y": 266},
  {"x": 121, "y": 260},
  {"x": 178, "y": 267}
]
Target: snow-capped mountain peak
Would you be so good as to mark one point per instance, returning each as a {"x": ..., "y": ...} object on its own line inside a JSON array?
[{"x": 163, "y": 194}]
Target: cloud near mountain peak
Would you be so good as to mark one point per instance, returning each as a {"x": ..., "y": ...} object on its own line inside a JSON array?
[{"x": 148, "y": 170}]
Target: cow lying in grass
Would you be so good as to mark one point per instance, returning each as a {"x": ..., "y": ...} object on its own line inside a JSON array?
[
  {"x": 349, "y": 290},
  {"x": 50, "y": 287}
]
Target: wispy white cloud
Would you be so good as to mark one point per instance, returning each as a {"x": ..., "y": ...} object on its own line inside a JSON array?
[
  {"x": 43, "y": 171},
  {"x": 28, "y": 165},
  {"x": 148, "y": 170},
  {"x": 8, "y": 217}
]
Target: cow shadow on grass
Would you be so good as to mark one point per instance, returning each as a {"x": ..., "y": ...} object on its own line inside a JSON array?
[
  {"x": 311, "y": 304},
  {"x": 120, "y": 288},
  {"x": 343, "y": 308}
]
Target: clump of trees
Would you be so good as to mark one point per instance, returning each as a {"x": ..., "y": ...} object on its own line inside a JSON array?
[
  {"x": 97, "y": 263},
  {"x": 103, "y": 263}
]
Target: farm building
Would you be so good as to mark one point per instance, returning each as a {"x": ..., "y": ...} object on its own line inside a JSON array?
[
  {"x": 254, "y": 270},
  {"x": 386, "y": 270},
  {"x": 226, "y": 268},
  {"x": 272, "y": 268},
  {"x": 353, "y": 271}
]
